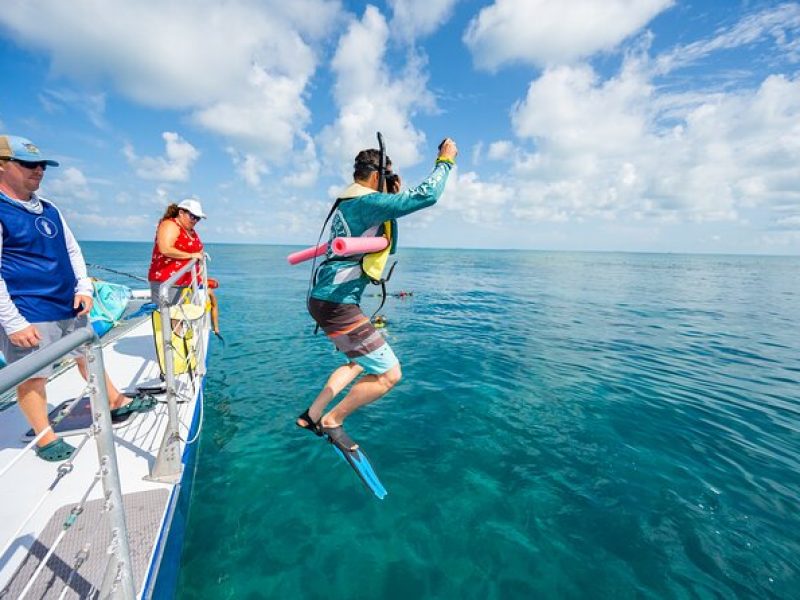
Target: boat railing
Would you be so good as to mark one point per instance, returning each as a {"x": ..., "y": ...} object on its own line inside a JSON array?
[
  {"x": 168, "y": 466},
  {"x": 118, "y": 579}
]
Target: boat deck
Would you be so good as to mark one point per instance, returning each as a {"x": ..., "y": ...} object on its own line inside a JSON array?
[{"x": 52, "y": 490}]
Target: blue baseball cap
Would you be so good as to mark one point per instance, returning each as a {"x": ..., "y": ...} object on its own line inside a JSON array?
[{"x": 19, "y": 148}]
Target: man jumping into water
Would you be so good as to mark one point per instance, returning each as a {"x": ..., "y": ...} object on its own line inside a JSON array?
[{"x": 335, "y": 299}]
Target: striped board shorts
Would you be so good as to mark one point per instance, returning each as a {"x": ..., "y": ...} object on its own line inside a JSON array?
[{"x": 352, "y": 333}]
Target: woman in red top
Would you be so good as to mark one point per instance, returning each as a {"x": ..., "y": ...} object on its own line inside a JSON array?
[{"x": 176, "y": 243}]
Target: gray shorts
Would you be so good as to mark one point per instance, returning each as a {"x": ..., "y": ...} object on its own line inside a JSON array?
[
  {"x": 51, "y": 331},
  {"x": 173, "y": 296}
]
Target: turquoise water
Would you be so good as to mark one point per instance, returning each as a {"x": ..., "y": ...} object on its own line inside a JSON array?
[{"x": 569, "y": 426}]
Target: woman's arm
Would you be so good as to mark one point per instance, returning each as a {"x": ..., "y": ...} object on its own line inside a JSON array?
[{"x": 168, "y": 232}]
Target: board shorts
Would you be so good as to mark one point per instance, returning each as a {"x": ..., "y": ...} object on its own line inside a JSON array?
[
  {"x": 352, "y": 333},
  {"x": 51, "y": 332}
]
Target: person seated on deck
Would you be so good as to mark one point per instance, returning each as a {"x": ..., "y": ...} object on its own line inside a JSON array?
[
  {"x": 176, "y": 243},
  {"x": 44, "y": 291}
]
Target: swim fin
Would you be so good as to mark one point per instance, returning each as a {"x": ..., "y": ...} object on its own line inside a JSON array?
[
  {"x": 363, "y": 468},
  {"x": 342, "y": 443}
]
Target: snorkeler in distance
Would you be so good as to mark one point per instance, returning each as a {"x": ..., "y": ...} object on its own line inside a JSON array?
[
  {"x": 365, "y": 208},
  {"x": 400, "y": 294}
]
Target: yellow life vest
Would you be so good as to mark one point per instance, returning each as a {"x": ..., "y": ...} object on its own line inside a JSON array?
[
  {"x": 373, "y": 264},
  {"x": 184, "y": 357}
]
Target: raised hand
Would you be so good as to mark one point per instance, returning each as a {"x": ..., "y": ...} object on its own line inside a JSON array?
[{"x": 448, "y": 149}]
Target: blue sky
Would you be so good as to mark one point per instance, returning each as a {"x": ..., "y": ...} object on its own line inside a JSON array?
[{"x": 635, "y": 125}]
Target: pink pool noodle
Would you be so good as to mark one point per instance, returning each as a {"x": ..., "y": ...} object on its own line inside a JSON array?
[
  {"x": 301, "y": 255},
  {"x": 341, "y": 247},
  {"x": 346, "y": 246}
]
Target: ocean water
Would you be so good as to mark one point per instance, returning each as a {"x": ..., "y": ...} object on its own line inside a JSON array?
[{"x": 569, "y": 425}]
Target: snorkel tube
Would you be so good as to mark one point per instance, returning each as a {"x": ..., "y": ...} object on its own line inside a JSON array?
[
  {"x": 347, "y": 246},
  {"x": 381, "y": 164}
]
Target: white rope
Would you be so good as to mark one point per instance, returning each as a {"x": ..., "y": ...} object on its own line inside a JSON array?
[
  {"x": 191, "y": 393},
  {"x": 19, "y": 456},
  {"x": 41, "y": 434},
  {"x": 200, "y": 340},
  {"x": 41, "y": 567},
  {"x": 199, "y": 426},
  {"x": 81, "y": 557},
  {"x": 75, "y": 512},
  {"x": 64, "y": 469}
]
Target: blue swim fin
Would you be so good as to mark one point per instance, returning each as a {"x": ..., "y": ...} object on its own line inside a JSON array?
[
  {"x": 342, "y": 443},
  {"x": 363, "y": 468}
]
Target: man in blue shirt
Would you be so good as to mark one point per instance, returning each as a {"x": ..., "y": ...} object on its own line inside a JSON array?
[
  {"x": 44, "y": 291},
  {"x": 363, "y": 210}
]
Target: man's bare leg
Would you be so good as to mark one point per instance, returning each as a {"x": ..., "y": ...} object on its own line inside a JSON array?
[
  {"x": 339, "y": 379},
  {"x": 33, "y": 404},
  {"x": 115, "y": 397},
  {"x": 366, "y": 390}
]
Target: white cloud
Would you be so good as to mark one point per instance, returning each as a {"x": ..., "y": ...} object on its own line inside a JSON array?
[
  {"x": 93, "y": 105},
  {"x": 414, "y": 19},
  {"x": 94, "y": 225},
  {"x": 616, "y": 149},
  {"x": 790, "y": 223},
  {"x": 304, "y": 170},
  {"x": 776, "y": 24},
  {"x": 196, "y": 52},
  {"x": 162, "y": 196},
  {"x": 628, "y": 147},
  {"x": 501, "y": 150},
  {"x": 241, "y": 67},
  {"x": 552, "y": 32},
  {"x": 370, "y": 99},
  {"x": 266, "y": 117},
  {"x": 249, "y": 167},
  {"x": 70, "y": 185},
  {"x": 473, "y": 200},
  {"x": 572, "y": 111},
  {"x": 477, "y": 153},
  {"x": 179, "y": 157},
  {"x": 282, "y": 220},
  {"x": 781, "y": 241}
]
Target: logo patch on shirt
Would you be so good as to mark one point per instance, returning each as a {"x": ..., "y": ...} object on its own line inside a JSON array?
[
  {"x": 339, "y": 227},
  {"x": 46, "y": 227}
]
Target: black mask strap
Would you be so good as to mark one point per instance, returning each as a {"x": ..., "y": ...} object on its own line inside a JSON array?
[{"x": 382, "y": 163}]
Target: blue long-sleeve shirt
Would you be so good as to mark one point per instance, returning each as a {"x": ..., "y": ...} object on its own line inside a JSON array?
[{"x": 361, "y": 213}]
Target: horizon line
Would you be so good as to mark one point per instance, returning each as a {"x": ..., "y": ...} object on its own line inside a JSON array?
[{"x": 487, "y": 249}]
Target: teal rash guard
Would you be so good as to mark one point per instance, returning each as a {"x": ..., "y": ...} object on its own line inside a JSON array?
[{"x": 361, "y": 212}]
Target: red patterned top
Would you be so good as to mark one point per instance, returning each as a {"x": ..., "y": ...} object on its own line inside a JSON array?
[{"x": 162, "y": 267}]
